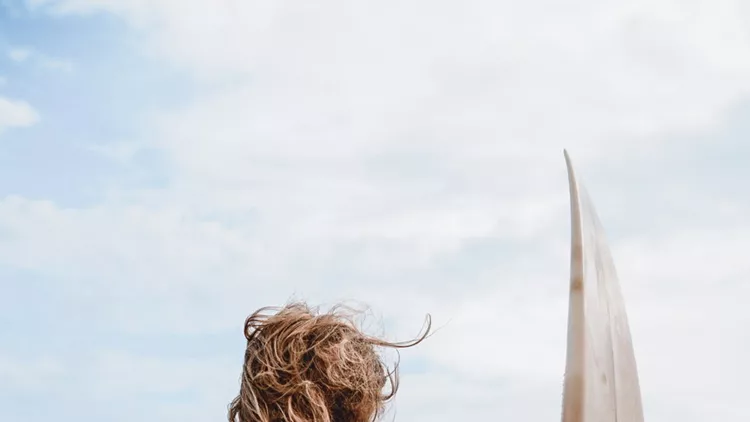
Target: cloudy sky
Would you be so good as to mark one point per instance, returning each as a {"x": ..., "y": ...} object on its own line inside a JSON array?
[{"x": 169, "y": 166}]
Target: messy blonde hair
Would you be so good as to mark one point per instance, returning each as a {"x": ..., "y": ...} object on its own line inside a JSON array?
[{"x": 304, "y": 366}]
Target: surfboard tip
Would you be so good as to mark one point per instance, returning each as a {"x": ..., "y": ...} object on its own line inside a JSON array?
[{"x": 568, "y": 161}]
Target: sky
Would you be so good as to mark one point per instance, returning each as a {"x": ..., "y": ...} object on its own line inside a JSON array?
[{"x": 169, "y": 166}]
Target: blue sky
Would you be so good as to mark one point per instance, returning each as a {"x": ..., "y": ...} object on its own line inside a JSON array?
[
  {"x": 168, "y": 167},
  {"x": 81, "y": 108}
]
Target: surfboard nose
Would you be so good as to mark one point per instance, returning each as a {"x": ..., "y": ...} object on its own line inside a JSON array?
[{"x": 601, "y": 376}]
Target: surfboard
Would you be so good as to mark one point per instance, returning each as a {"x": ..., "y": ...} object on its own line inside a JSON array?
[{"x": 601, "y": 377}]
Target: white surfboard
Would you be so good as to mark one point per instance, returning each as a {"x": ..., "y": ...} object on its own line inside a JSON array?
[{"x": 601, "y": 377}]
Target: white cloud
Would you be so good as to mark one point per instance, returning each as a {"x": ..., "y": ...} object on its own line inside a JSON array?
[
  {"x": 23, "y": 55},
  {"x": 56, "y": 64},
  {"x": 606, "y": 71},
  {"x": 148, "y": 375},
  {"x": 504, "y": 339},
  {"x": 121, "y": 152},
  {"x": 14, "y": 113},
  {"x": 19, "y": 54},
  {"x": 105, "y": 378},
  {"x": 33, "y": 375}
]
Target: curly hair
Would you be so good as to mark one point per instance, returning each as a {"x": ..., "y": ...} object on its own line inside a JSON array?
[{"x": 303, "y": 366}]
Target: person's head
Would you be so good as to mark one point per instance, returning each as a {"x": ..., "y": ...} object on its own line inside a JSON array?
[{"x": 304, "y": 366}]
